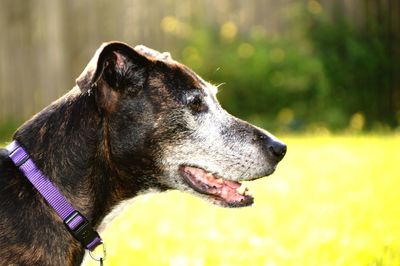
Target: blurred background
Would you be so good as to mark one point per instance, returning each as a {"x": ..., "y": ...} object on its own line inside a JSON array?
[
  {"x": 290, "y": 66},
  {"x": 322, "y": 75}
]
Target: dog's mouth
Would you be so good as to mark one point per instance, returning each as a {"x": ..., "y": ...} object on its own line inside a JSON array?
[{"x": 227, "y": 192}]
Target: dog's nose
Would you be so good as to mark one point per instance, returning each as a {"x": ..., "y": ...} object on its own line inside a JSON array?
[{"x": 277, "y": 148}]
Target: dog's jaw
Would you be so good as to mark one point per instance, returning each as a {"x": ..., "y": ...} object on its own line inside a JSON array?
[{"x": 221, "y": 191}]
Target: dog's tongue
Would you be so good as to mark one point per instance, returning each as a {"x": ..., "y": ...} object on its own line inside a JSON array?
[{"x": 207, "y": 183}]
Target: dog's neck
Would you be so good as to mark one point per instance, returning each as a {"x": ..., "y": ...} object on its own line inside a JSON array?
[{"x": 68, "y": 141}]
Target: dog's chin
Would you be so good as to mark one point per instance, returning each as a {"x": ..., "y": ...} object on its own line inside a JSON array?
[{"x": 214, "y": 188}]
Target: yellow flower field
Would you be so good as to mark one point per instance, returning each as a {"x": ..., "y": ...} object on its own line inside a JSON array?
[{"x": 332, "y": 201}]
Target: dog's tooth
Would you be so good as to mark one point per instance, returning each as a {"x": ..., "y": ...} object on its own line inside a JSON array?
[
  {"x": 219, "y": 180},
  {"x": 241, "y": 190},
  {"x": 209, "y": 176}
]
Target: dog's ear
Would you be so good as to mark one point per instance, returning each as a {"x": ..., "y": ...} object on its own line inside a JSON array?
[
  {"x": 114, "y": 67},
  {"x": 111, "y": 63}
]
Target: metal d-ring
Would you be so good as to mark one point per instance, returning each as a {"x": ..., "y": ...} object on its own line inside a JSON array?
[{"x": 100, "y": 258}]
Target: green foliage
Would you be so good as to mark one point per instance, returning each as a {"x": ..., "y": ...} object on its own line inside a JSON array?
[
  {"x": 319, "y": 75},
  {"x": 359, "y": 66},
  {"x": 324, "y": 72}
]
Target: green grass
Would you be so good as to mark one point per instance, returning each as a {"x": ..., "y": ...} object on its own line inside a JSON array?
[{"x": 332, "y": 201}]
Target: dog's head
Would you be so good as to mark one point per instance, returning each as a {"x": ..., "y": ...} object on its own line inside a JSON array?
[{"x": 164, "y": 121}]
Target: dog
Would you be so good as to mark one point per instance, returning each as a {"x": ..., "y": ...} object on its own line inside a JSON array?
[{"x": 137, "y": 120}]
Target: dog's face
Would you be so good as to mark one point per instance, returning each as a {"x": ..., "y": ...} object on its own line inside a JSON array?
[{"x": 166, "y": 120}]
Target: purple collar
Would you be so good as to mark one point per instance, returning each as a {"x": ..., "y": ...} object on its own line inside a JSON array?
[{"x": 75, "y": 222}]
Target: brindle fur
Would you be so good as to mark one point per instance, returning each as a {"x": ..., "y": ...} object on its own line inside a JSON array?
[{"x": 133, "y": 118}]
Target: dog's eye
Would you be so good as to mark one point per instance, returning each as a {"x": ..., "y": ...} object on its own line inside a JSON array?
[{"x": 197, "y": 104}]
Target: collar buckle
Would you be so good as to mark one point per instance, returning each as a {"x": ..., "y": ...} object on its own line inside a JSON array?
[{"x": 82, "y": 230}]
